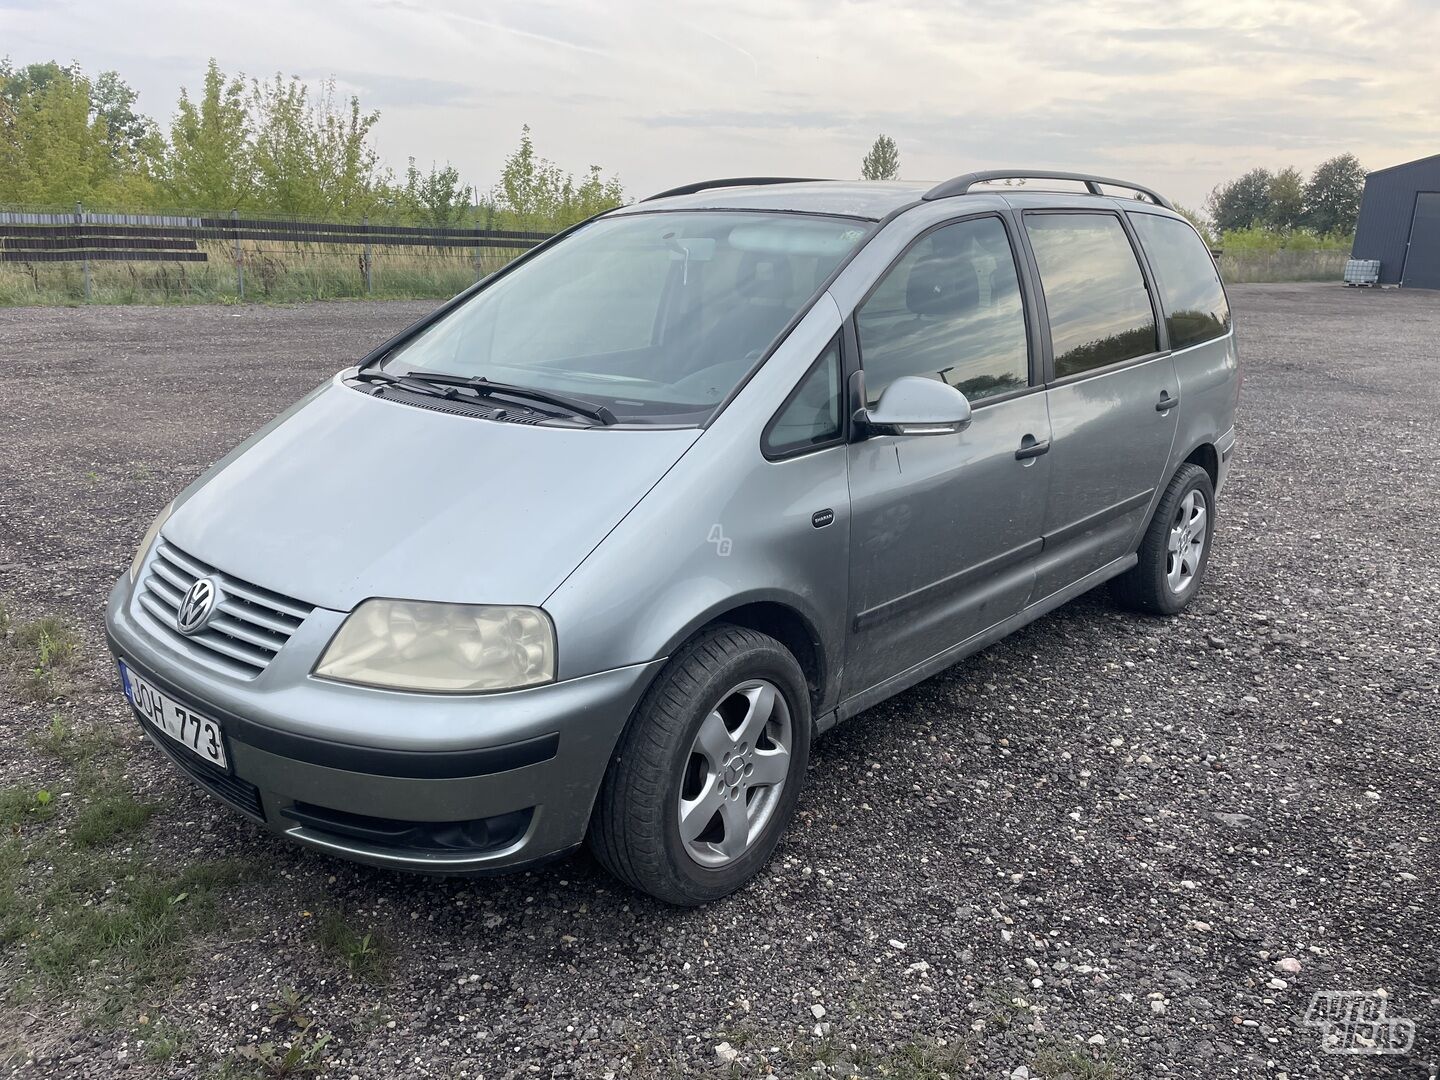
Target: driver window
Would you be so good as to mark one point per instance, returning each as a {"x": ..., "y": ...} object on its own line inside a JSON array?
[{"x": 949, "y": 309}]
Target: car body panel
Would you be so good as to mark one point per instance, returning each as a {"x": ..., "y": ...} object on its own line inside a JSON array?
[
  {"x": 355, "y": 497},
  {"x": 945, "y": 530},
  {"x": 1110, "y": 451}
]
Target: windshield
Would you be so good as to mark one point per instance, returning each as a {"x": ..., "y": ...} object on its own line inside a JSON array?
[{"x": 656, "y": 316}]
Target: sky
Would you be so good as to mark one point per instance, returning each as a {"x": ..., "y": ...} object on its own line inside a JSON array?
[{"x": 1177, "y": 95}]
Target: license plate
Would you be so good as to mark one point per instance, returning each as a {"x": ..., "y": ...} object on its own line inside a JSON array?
[{"x": 198, "y": 734}]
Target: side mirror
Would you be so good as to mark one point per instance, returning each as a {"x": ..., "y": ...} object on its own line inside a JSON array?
[{"x": 913, "y": 405}]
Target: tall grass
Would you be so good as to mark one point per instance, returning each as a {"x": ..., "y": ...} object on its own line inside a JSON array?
[
  {"x": 1283, "y": 265},
  {"x": 274, "y": 273},
  {"x": 1262, "y": 254}
]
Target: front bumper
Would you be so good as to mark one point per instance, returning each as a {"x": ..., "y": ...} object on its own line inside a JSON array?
[{"x": 491, "y": 782}]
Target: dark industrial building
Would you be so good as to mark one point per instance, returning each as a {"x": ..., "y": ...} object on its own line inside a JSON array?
[{"x": 1400, "y": 223}]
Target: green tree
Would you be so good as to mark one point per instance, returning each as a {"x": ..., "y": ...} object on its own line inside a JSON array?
[
  {"x": 1287, "y": 200},
  {"x": 129, "y": 133},
  {"x": 64, "y": 138},
  {"x": 434, "y": 198},
  {"x": 1242, "y": 202},
  {"x": 313, "y": 158},
  {"x": 883, "y": 160},
  {"x": 207, "y": 165},
  {"x": 53, "y": 150},
  {"x": 535, "y": 193},
  {"x": 1332, "y": 198}
]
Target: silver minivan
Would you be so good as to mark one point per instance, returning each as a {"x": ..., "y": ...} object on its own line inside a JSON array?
[{"x": 598, "y": 548}]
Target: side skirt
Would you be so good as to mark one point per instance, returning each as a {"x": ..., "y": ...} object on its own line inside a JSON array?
[{"x": 971, "y": 645}]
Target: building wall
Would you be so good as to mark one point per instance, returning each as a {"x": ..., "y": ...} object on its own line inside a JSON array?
[{"x": 1383, "y": 230}]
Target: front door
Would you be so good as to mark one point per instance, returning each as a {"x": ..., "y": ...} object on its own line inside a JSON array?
[
  {"x": 945, "y": 528},
  {"x": 1114, "y": 398}
]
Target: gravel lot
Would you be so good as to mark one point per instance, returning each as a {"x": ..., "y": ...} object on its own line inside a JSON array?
[{"x": 1099, "y": 847}]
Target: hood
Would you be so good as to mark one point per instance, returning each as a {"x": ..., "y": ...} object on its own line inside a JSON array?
[{"x": 349, "y": 497}]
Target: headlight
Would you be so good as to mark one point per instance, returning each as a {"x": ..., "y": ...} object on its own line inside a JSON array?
[
  {"x": 455, "y": 648},
  {"x": 148, "y": 540}
]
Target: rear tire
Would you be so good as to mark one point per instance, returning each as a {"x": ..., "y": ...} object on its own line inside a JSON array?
[
  {"x": 1175, "y": 550},
  {"x": 707, "y": 773}
]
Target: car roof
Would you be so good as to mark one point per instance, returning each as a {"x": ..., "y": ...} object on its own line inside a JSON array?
[{"x": 869, "y": 199}]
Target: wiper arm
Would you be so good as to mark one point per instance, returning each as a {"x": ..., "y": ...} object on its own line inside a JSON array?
[
  {"x": 481, "y": 385},
  {"x": 415, "y": 386}
]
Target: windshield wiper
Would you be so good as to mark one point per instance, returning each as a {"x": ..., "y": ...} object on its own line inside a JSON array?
[
  {"x": 415, "y": 386},
  {"x": 488, "y": 387}
]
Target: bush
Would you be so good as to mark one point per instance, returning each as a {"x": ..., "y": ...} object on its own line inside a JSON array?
[{"x": 1261, "y": 238}]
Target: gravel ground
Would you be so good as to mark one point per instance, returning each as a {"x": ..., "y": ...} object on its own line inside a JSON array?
[{"x": 1109, "y": 845}]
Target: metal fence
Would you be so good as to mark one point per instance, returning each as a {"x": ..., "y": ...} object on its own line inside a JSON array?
[{"x": 233, "y": 249}]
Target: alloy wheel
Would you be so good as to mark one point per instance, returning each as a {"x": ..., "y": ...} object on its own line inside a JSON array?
[
  {"x": 1186, "y": 543},
  {"x": 735, "y": 772}
]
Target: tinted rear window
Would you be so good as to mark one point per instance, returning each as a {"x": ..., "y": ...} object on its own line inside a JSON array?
[
  {"x": 1095, "y": 294},
  {"x": 1195, "y": 305}
]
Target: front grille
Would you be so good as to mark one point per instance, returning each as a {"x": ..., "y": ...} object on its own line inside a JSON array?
[
  {"x": 231, "y": 790},
  {"x": 250, "y": 624}
]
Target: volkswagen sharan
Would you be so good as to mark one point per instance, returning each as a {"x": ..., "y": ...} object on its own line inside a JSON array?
[{"x": 596, "y": 551}]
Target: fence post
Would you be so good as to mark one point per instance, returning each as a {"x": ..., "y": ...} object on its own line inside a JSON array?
[
  {"x": 239, "y": 260},
  {"x": 365, "y": 224},
  {"x": 85, "y": 262}
]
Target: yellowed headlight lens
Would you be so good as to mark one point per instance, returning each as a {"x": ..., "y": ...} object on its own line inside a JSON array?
[{"x": 441, "y": 648}]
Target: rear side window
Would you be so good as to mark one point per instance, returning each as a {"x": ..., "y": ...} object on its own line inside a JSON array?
[
  {"x": 1195, "y": 305},
  {"x": 1095, "y": 294},
  {"x": 949, "y": 309},
  {"x": 811, "y": 416}
]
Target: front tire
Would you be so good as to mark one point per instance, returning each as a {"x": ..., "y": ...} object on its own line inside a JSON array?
[
  {"x": 1175, "y": 550},
  {"x": 707, "y": 774}
]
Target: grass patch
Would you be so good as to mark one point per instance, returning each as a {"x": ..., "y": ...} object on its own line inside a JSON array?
[
  {"x": 162, "y": 1039},
  {"x": 20, "y": 806},
  {"x": 108, "y": 818},
  {"x": 81, "y": 746},
  {"x": 299, "y": 1051},
  {"x": 302, "y": 1054},
  {"x": 920, "y": 1059},
  {"x": 77, "y": 916},
  {"x": 121, "y": 917},
  {"x": 1064, "y": 1063},
  {"x": 364, "y": 953},
  {"x": 42, "y": 657}
]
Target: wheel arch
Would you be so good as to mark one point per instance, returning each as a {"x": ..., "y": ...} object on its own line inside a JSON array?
[
  {"x": 1208, "y": 458},
  {"x": 782, "y": 617}
]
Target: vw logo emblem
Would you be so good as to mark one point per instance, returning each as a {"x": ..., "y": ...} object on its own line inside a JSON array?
[{"x": 195, "y": 609}]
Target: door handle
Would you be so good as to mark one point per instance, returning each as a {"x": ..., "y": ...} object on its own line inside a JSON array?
[
  {"x": 1031, "y": 447},
  {"x": 1166, "y": 402}
]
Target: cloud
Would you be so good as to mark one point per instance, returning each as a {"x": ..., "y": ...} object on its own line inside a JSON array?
[{"x": 666, "y": 91}]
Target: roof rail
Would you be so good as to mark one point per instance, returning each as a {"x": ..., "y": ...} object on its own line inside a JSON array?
[
  {"x": 962, "y": 184},
  {"x": 734, "y": 181}
]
